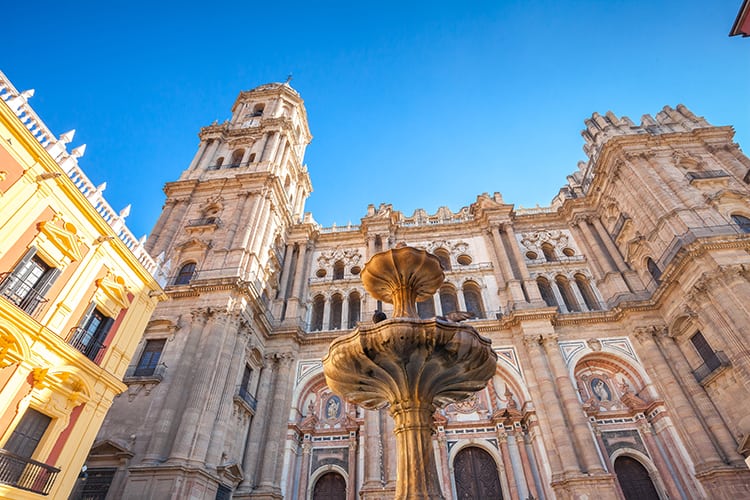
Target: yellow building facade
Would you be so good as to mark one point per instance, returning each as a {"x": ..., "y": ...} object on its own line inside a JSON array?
[{"x": 76, "y": 293}]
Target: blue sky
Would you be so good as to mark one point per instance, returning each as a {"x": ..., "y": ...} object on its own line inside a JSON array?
[{"x": 415, "y": 104}]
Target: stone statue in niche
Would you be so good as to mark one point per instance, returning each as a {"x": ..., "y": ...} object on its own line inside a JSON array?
[
  {"x": 333, "y": 408},
  {"x": 601, "y": 389}
]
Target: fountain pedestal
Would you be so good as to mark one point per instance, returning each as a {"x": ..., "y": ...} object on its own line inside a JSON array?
[{"x": 412, "y": 365}]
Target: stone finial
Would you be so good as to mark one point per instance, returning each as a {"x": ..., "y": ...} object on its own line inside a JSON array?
[{"x": 57, "y": 148}]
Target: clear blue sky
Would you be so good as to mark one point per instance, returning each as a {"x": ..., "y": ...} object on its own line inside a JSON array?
[{"x": 414, "y": 104}]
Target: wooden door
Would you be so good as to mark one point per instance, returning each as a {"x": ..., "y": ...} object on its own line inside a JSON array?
[
  {"x": 634, "y": 479},
  {"x": 330, "y": 486},
  {"x": 475, "y": 472}
]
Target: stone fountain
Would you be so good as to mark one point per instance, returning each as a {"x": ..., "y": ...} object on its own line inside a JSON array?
[{"x": 413, "y": 365}]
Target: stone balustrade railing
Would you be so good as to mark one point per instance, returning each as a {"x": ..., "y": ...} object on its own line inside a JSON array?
[{"x": 18, "y": 103}]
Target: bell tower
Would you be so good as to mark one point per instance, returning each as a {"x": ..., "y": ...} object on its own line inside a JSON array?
[
  {"x": 244, "y": 189},
  {"x": 221, "y": 241}
]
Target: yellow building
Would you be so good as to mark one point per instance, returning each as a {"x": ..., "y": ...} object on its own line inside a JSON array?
[{"x": 76, "y": 292}]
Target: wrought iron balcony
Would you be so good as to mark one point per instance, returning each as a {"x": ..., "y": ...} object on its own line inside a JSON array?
[
  {"x": 26, "y": 474},
  {"x": 249, "y": 399},
  {"x": 711, "y": 366},
  {"x": 204, "y": 221},
  {"x": 136, "y": 373},
  {"x": 21, "y": 293},
  {"x": 82, "y": 340},
  {"x": 706, "y": 174}
]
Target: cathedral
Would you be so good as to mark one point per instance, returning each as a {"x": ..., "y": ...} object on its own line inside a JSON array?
[{"x": 619, "y": 314}]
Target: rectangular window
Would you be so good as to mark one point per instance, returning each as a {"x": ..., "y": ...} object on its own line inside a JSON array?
[
  {"x": 710, "y": 359},
  {"x": 28, "y": 433},
  {"x": 96, "y": 484},
  {"x": 149, "y": 358},
  {"x": 29, "y": 281},
  {"x": 223, "y": 493},
  {"x": 89, "y": 337}
]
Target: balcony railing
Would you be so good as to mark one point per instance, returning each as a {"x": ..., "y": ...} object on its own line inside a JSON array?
[
  {"x": 707, "y": 174},
  {"x": 204, "y": 221},
  {"x": 21, "y": 293},
  {"x": 710, "y": 366},
  {"x": 82, "y": 340},
  {"x": 248, "y": 398},
  {"x": 151, "y": 373},
  {"x": 26, "y": 474}
]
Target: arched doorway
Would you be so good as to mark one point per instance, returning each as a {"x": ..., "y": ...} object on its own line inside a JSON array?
[
  {"x": 475, "y": 473},
  {"x": 330, "y": 486},
  {"x": 634, "y": 479}
]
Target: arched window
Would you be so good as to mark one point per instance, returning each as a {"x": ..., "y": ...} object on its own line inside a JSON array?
[
  {"x": 378, "y": 244},
  {"x": 634, "y": 479},
  {"x": 185, "y": 274},
  {"x": 355, "y": 301},
  {"x": 549, "y": 252},
  {"x": 473, "y": 299},
  {"x": 448, "y": 299},
  {"x": 426, "y": 308},
  {"x": 445, "y": 259},
  {"x": 316, "y": 322},
  {"x": 742, "y": 222},
  {"x": 338, "y": 270},
  {"x": 586, "y": 292},
  {"x": 545, "y": 289},
  {"x": 219, "y": 161},
  {"x": 654, "y": 270},
  {"x": 251, "y": 158},
  {"x": 237, "y": 157},
  {"x": 571, "y": 304},
  {"x": 337, "y": 302},
  {"x": 258, "y": 109}
]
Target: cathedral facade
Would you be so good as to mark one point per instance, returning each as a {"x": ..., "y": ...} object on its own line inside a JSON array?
[{"x": 619, "y": 314}]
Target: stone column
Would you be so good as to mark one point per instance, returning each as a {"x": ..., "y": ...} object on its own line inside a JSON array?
[
  {"x": 373, "y": 461},
  {"x": 196, "y": 425},
  {"x": 273, "y": 449},
  {"x": 351, "y": 492},
  {"x": 531, "y": 289},
  {"x": 502, "y": 439},
  {"x": 269, "y": 149},
  {"x": 305, "y": 467},
  {"x": 612, "y": 249},
  {"x": 253, "y": 457},
  {"x": 515, "y": 461},
  {"x": 327, "y": 314},
  {"x": 198, "y": 155},
  {"x": 442, "y": 443},
  {"x": 586, "y": 238},
  {"x": 694, "y": 435},
  {"x": 174, "y": 400},
  {"x": 514, "y": 288},
  {"x": 210, "y": 153},
  {"x": 665, "y": 471},
  {"x": 561, "y": 455},
  {"x": 233, "y": 357},
  {"x": 370, "y": 246},
  {"x": 582, "y": 436},
  {"x": 240, "y": 210},
  {"x": 526, "y": 465},
  {"x": 163, "y": 218}
]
